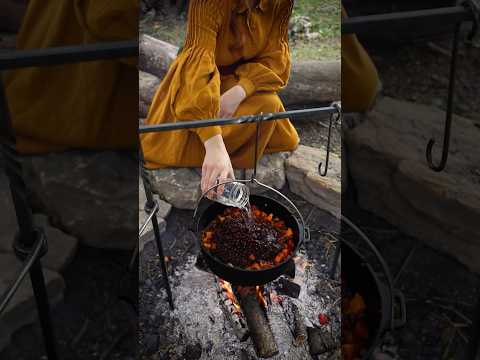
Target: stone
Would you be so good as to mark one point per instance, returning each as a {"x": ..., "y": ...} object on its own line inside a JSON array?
[
  {"x": 61, "y": 246},
  {"x": 270, "y": 170},
  {"x": 22, "y": 308},
  {"x": 304, "y": 179},
  {"x": 299, "y": 27},
  {"x": 164, "y": 207},
  {"x": 180, "y": 187},
  {"x": 386, "y": 160},
  {"x": 90, "y": 195},
  {"x": 162, "y": 214}
]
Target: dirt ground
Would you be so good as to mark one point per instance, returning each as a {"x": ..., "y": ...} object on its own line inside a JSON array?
[
  {"x": 419, "y": 72},
  {"x": 98, "y": 317}
]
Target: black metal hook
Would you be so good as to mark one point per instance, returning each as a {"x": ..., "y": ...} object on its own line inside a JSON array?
[
  {"x": 337, "y": 114},
  {"x": 448, "y": 119}
]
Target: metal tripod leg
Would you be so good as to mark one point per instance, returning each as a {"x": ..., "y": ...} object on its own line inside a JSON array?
[
  {"x": 43, "y": 306},
  {"x": 150, "y": 204},
  {"x": 27, "y": 237}
]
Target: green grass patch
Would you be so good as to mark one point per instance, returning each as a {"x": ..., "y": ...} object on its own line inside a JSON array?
[{"x": 325, "y": 18}]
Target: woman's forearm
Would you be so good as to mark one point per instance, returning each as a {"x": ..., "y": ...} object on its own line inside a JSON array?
[{"x": 215, "y": 143}]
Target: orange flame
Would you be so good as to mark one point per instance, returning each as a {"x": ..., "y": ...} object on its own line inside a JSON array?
[
  {"x": 227, "y": 287},
  {"x": 261, "y": 299}
]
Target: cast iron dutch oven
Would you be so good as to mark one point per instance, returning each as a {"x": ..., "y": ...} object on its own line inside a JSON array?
[
  {"x": 385, "y": 305},
  {"x": 236, "y": 275}
]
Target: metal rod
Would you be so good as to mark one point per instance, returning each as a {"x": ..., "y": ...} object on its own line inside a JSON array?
[
  {"x": 43, "y": 306},
  {"x": 325, "y": 170},
  {"x": 234, "y": 121},
  {"x": 156, "y": 229},
  {"x": 407, "y": 20},
  {"x": 24, "y": 244},
  {"x": 68, "y": 54},
  {"x": 27, "y": 264},
  {"x": 150, "y": 215},
  {"x": 449, "y": 113},
  {"x": 257, "y": 135},
  {"x": 13, "y": 171}
]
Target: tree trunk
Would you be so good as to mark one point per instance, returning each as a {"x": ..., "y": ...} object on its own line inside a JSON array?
[
  {"x": 155, "y": 56},
  {"x": 311, "y": 81}
]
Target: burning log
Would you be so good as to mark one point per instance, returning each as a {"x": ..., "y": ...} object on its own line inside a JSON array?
[
  {"x": 228, "y": 304},
  {"x": 260, "y": 331},
  {"x": 299, "y": 327},
  {"x": 320, "y": 341}
]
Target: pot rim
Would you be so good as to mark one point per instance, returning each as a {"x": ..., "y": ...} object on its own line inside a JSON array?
[{"x": 300, "y": 236}]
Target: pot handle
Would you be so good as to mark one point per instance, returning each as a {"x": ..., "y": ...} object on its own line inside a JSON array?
[{"x": 399, "y": 299}]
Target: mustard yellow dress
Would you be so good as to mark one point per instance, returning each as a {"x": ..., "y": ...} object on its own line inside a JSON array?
[
  {"x": 360, "y": 81},
  {"x": 210, "y": 63},
  {"x": 85, "y": 105}
]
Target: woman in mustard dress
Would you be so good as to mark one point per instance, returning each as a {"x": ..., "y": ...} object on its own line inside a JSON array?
[
  {"x": 360, "y": 80},
  {"x": 83, "y": 105},
  {"x": 234, "y": 61}
]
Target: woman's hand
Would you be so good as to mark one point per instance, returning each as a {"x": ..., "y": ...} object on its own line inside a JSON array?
[
  {"x": 230, "y": 100},
  {"x": 216, "y": 164}
]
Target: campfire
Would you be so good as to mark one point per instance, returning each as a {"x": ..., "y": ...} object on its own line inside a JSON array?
[{"x": 227, "y": 289}]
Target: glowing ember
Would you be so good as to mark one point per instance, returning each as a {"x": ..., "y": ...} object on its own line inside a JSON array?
[{"x": 276, "y": 298}]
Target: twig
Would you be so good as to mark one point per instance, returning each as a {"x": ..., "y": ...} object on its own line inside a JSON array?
[
  {"x": 446, "y": 351},
  {"x": 405, "y": 262},
  {"x": 452, "y": 309},
  {"x": 438, "y": 49},
  {"x": 454, "y": 302},
  {"x": 80, "y": 334}
]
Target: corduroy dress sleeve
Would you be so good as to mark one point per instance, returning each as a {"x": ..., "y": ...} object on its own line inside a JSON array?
[
  {"x": 271, "y": 69},
  {"x": 196, "y": 83}
]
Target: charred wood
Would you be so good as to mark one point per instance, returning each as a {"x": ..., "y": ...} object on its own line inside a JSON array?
[{"x": 260, "y": 331}]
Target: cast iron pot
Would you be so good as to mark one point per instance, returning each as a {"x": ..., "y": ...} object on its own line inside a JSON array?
[
  {"x": 244, "y": 277},
  {"x": 380, "y": 301}
]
